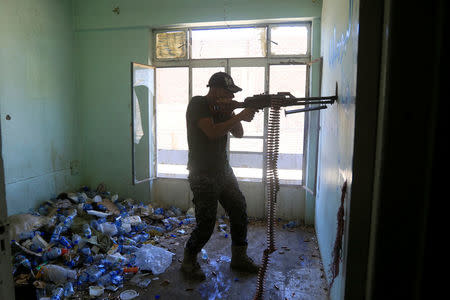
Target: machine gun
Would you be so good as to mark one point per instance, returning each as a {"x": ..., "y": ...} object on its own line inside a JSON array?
[{"x": 267, "y": 100}]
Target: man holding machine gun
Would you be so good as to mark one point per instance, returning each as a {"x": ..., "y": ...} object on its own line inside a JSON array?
[{"x": 211, "y": 177}]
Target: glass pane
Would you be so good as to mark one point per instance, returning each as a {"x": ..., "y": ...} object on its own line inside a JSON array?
[
  {"x": 171, "y": 44},
  {"x": 251, "y": 80},
  {"x": 247, "y": 165},
  {"x": 228, "y": 43},
  {"x": 249, "y": 145},
  {"x": 291, "y": 79},
  {"x": 143, "y": 96},
  {"x": 172, "y": 87},
  {"x": 289, "y": 40},
  {"x": 200, "y": 78}
]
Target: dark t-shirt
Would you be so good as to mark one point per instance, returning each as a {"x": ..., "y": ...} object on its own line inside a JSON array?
[{"x": 205, "y": 156}]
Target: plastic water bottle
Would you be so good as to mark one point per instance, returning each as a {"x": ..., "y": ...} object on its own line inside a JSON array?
[
  {"x": 87, "y": 206},
  {"x": 139, "y": 227},
  {"x": 56, "y": 234},
  {"x": 57, "y": 294},
  {"x": 68, "y": 289},
  {"x": 140, "y": 238},
  {"x": 54, "y": 253},
  {"x": 108, "y": 228},
  {"x": 69, "y": 219},
  {"x": 21, "y": 259},
  {"x": 105, "y": 280},
  {"x": 101, "y": 207},
  {"x": 188, "y": 221},
  {"x": 291, "y": 224},
  {"x": 95, "y": 274},
  {"x": 204, "y": 254},
  {"x": 83, "y": 278},
  {"x": 117, "y": 280},
  {"x": 73, "y": 262},
  {"x": 87, "y": 231},
  {"x": 155, "y": 228},
  {"x": 159, "y": 211},
  {"x": 127, "y": 249},
  {"x": 86, "y": 251},
  {"x": 65, "y": 242},
  {"x": 27, "y": 235},
  {"x": 224, "y": 233},
  {"x": 76, "y": 239},
  {"x": 58, "y": 274}
]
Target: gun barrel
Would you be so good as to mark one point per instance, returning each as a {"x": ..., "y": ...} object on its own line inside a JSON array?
[{"x": 287, "y": 112}]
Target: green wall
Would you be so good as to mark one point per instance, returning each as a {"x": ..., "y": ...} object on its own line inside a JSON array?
[
  {"x": 135, "y": 13},
  {"x": 340, "y": 22},
  {"x": 103, "y": 93},
  {"x": 40, "y": 141}
]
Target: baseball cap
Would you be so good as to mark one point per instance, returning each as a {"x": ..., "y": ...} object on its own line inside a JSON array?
[{"x": 222, "y": 79}]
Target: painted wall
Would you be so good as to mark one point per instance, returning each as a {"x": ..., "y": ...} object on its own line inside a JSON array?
[
  {"x": 107, "y": 42},
  {"x": 40, "y": 140},
  {"x": 339, "y": 50},
  {"x": 136, "y": 13},
  {"x": 103, "y": 93}
]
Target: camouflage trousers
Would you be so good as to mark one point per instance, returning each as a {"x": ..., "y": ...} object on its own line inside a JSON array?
[{"x": 208, "y": 190}]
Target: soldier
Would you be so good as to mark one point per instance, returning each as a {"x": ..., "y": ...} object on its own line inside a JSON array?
[{"x": 210, "y": 176}]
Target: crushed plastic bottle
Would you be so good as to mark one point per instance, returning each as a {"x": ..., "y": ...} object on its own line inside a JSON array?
[
  {"x": 155, "y": 228},
  {"x": 108, "y": 228},
  {"x": 124, "y": 249},
  {"x": 65, "y": 242},
  {"x": 58, "y": 274},
  {"x": 57, "y": 294},
  {"x": 87, "y": 231},
  {"x": 83, "y": 278},
  {"x": 77, "y": 240},
  {"x": 86, "y": 251},
  {"x": 140, "y": 238},
  {"x": 53, "y": 253},
  {"x": 95, "y": 273},
  {"x": 56, "y": 234},
  {"x": 291, "y": 224},
  {"x": 159, "y": 211},
  {"x": 22, "y": 260},
  {"x": 204, "y": 254},
  {"x": 68, "y": 289},
  {"x": 189, "y": 220},
  {"x": 224, "y": 233},
  {"x": 28, "y": 235}
]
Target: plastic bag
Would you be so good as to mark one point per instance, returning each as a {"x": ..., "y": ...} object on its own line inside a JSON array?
[
  {"x": 58, "y": 274},
  {"x": 153, "y": 258},
  {"x": 23, "y": 223}
]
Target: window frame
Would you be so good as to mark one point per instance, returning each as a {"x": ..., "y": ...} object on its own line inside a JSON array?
[{"x": 227, "y": 64}]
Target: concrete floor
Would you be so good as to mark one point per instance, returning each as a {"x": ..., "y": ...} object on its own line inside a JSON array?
[{"x": 295, "y": 270}]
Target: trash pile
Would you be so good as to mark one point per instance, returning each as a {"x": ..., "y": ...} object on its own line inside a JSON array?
[{"x": 88, "y": 241}]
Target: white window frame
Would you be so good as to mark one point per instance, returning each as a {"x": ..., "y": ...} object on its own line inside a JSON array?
[{"x": 228, "y": 63}]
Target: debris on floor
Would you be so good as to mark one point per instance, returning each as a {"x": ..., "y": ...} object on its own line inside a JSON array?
[{"x": 89, "y": 243}]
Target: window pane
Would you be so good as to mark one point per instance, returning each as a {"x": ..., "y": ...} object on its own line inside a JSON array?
[
  {"x": 291, "y": 79},
  {"x": 247, "y": 165},
  {"x": 228, "y": 43},
  {"x": 251, "y": 80},
  {"x": 249, "y": 145},
  {"x": 200, "y": 78},
  {"x": 171, "y": 102},
  {"x": 289, "y": 40},
  {"x": 171, "y": 44}
]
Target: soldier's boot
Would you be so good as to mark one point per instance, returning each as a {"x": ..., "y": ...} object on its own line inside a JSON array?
[
  {"x": 240, "y": 260},
  {"x": 190, "y": 267}
]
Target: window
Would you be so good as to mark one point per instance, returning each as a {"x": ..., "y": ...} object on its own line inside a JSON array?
[{"x": 264, "y": 58}]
